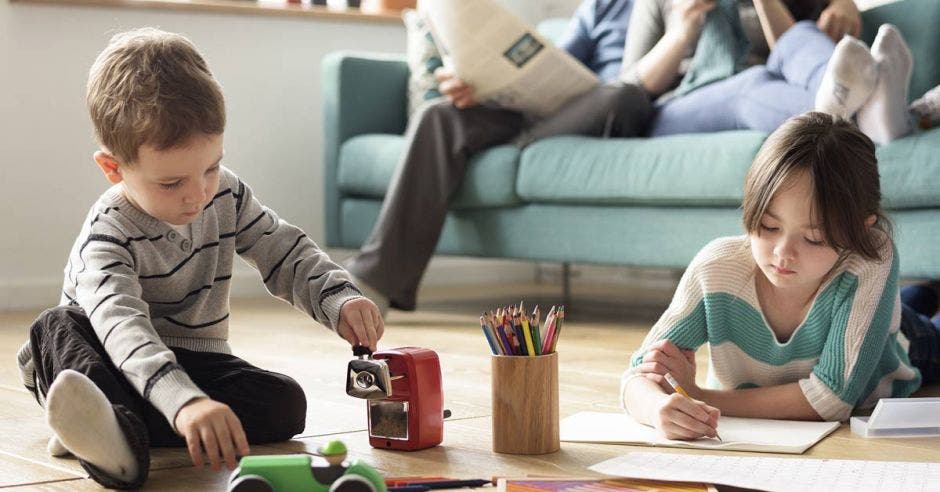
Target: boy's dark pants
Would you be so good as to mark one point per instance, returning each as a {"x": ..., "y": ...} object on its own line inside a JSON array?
[{"x": 270, "y": 406}]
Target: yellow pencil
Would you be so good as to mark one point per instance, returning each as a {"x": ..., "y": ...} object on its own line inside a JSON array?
[{"x": 675, "y": 385}]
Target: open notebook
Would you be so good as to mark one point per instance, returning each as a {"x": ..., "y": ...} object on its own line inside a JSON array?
[{"x": 738, "y": 434}]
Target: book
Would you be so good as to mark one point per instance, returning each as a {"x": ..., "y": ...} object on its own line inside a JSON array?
[{"x": 738, "y": 434}]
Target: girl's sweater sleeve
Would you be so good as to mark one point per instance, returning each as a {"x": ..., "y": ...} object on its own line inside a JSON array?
[{"x": 867, "y": 312}]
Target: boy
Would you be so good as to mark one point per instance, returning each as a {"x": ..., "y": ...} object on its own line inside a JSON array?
[{"x": 136, "y": 353}]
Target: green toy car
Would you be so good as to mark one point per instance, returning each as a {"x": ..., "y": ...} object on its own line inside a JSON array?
[{"x": 297, "y": 473}]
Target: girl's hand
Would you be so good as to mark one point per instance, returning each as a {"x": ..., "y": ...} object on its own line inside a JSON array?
[
  {"x": 678, "y": 417},
  {"x": 665, "y": 357},
  {"x": 688, "y": 16},
  {"x": 360, "y": 323}
]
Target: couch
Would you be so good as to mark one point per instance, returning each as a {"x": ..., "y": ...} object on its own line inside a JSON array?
[{"x": 637, "y": 202}]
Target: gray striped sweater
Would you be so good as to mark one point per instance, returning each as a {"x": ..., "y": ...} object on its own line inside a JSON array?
[{"x": 145, "y": 287}]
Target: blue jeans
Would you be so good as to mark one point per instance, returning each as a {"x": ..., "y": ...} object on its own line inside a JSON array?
[
  {"x": 759, "y": 98},
  {"x": 922, "y": 331}
]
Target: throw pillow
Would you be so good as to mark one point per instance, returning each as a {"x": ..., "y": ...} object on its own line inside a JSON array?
[{"x": 423, "y": 58}]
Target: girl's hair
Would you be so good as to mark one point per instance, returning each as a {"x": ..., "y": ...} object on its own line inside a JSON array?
[{"x": 846, "y": 189}]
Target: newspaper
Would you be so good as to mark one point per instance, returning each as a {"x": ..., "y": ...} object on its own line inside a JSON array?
[{"x": 506, "y": 62}]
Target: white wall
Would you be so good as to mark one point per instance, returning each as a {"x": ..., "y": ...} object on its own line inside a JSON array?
[{"x": 269, "y": 68}]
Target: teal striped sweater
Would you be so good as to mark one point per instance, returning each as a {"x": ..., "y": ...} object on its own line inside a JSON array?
[{"x": 848, "y": 352}]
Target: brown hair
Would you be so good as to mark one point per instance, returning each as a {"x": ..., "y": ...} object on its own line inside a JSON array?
[
  {"x": 846, "y": 188},
  {"x": 152, "y": 87}
]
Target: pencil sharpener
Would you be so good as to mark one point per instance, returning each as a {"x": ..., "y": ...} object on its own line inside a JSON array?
[{"x": 404, "y": 396}]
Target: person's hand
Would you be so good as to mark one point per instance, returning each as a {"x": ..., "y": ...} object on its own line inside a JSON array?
[
  {"x": 687, "y": 18},
  {"x": 459, "y": 93},
  {"x": 665, "y": 357},
  {"x": 212, "y": 426},
  {"x": 839, "y": 18},
  {"x": 678, "y": 417},
  {"x": 360, "y": 323}
]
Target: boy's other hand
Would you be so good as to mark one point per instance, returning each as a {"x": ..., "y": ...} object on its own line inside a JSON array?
[
  {"x": 688, "y": 17},
  {"x": 360, "y": 323},
  {"x": 665, "y": 357},
  {"x": 839, "y": 18},
  {"x": 212, "y": 426},
  {"x": 459, "y": 93},
  {"x": 678, "y": 417}
]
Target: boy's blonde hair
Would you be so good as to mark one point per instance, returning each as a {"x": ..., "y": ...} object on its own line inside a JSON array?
[
  {"x": 841, "y": 162},
  {"x": 152, "y": 87}
]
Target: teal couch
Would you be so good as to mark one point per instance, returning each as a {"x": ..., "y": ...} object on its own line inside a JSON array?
[{"x": 640, "y": 202}]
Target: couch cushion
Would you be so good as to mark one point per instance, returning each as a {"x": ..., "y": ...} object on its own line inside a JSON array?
[
  {"x": 697, "y": 169},
  {"x": 367, "y": 162},
  {"x": 917, "y": 21},
  {"x": 910, "y": 171}
]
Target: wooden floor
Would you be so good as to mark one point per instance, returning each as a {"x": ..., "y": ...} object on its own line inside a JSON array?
[{"x": 594, "y": 349}]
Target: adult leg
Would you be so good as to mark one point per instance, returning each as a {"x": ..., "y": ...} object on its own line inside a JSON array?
[
  {"x": 924, "y": 336},
  {"x": 801, "y": 55},
  {"x": 441, "y": 140},
  {"x": 271, "y": 406},
  {"x": 62, "y": 339},
  {"x": 609, "y": 110},
  {"x": 712, "y": 108}
]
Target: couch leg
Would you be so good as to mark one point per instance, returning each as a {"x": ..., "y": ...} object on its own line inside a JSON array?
[{"x": 566, "y": 284}]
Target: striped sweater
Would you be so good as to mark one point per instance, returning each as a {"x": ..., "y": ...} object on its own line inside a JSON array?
[
  {"x": 146, "y": 287},
  {"x": 848, "y": 352}
]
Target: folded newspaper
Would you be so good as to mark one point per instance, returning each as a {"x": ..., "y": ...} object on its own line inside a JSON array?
[{"x": 506, "y": 62}]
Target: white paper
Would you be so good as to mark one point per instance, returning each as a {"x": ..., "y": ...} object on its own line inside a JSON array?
[
  {"x": 737, "y": 434},
  {"x": 507, "y": 63},
  {"x": 777, "y": 474}
]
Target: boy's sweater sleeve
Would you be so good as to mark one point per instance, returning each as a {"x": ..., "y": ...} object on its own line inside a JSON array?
[
  {"x": 291, "y": 265},
  {"x": 867, "y": 313},
  {"x": 683, "y": 322},
  {"x": 107, "y": 288}
]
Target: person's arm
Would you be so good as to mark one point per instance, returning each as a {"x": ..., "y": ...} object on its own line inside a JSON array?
[
  {"x": 576, "y": 39},
  {"x": 659, "y": 47},
  {"x": 646, "y": 398},
  {"x": 785, "y": 401},
  {"x": 839, "y": 18},
  {"x": 775, "y": 18},
  {"x": 296, "y": 270}
]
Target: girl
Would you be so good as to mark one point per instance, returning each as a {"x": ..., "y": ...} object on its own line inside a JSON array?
[{"x": 802, "y": 314}]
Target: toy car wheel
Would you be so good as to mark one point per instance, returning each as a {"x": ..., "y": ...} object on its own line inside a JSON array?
[
  {"x": 250, "y": 483},
  {"x": 352, "y": 483}
]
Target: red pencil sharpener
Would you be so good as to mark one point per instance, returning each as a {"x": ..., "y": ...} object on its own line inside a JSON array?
[{"x": 405, "y": 400}]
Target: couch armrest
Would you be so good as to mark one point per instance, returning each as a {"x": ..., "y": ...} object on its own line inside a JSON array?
[{"x": 362, "y": 93}]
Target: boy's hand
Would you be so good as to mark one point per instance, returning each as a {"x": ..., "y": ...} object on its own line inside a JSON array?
[
  {"x": 459, "y": 93},
  {"x": 839, "y": 18},
  {"x": 678, "y": 417},
  {"x": 360, "y": 323},
  {"x": 212, "y": 426},
  {"x": 664, "y": 356}
]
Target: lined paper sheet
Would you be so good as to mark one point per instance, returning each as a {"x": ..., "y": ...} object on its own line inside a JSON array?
[
  {"x": 777, "y": 474},
  {"x": 737, "y": 434}
]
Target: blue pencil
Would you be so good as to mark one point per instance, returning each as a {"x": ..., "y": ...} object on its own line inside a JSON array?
[{"x": 486, "y": 333}]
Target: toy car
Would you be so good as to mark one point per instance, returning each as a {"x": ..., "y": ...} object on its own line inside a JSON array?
[{"x": 296, "y": 473}]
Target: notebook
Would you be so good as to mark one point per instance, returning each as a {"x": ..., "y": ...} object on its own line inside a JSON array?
[
  {"x": 777, "y": 474},
  {"x": 546, "y": 484},
  {"x": 738, "y": 434}
]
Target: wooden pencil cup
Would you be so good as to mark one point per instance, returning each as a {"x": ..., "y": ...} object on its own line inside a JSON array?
[{"x": 525, "y": 404}]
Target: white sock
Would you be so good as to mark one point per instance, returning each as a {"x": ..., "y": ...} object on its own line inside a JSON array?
[
  {"x": 55, "y": 447},
  {"x": 849, "y": 80},
  {"x": 82, "y": 418},
  {"x": 884, "y": 117}
]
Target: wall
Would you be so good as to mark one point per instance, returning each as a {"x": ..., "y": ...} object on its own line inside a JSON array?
[{"x": 269, "y": 69}]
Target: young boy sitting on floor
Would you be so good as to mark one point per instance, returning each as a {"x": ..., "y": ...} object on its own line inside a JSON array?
[{"x": 136, "y": 354}]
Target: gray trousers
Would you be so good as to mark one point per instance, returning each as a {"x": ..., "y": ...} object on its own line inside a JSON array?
[{"x": 440, "y": 141}]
